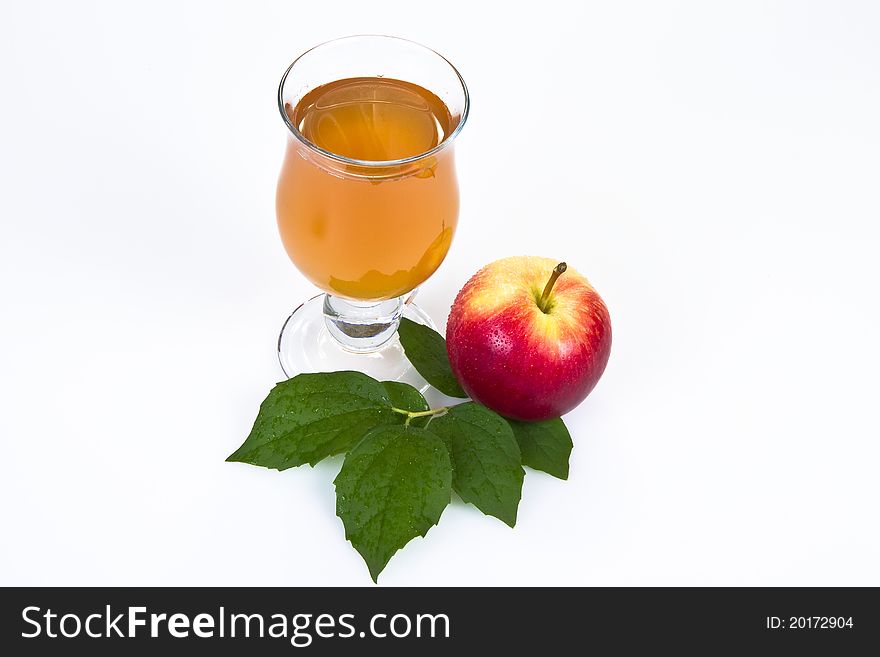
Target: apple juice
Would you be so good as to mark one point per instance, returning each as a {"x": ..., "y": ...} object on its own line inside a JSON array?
[{"x": 364, "y": 225}]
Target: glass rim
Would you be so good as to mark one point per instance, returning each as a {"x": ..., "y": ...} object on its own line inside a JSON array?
[{"x": 373, "y": 163}]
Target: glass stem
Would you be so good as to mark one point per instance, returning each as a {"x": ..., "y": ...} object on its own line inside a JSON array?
[{"x": 362, "y": 326}]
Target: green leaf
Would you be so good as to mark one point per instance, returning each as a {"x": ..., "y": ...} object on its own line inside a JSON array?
[
  {"x": 392, "y": 487},
  {"x": 405, "y": 397},
  {"x": 485, "y": 459},
  {"x": 426, "y": 350},
  {"x": 313, "y": 416},
  {"x": 544, "y": 445}
]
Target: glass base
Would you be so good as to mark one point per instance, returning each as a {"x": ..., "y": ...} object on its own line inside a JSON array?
[{"x": 328, "y": 334}]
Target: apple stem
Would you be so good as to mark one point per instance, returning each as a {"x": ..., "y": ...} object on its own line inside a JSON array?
[{"x": 558, "y": 271}]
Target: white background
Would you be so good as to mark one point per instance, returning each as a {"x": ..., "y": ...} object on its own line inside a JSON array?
[{"x": 713, "y": 168}]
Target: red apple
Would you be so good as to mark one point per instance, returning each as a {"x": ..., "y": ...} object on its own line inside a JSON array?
[{"x": 528, "y": 337}]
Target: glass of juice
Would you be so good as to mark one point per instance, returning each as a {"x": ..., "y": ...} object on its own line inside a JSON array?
[{"x": 367, "y": 200}]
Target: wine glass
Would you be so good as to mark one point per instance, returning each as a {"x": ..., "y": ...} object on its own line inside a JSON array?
[{"x": 367, "y": 200}]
